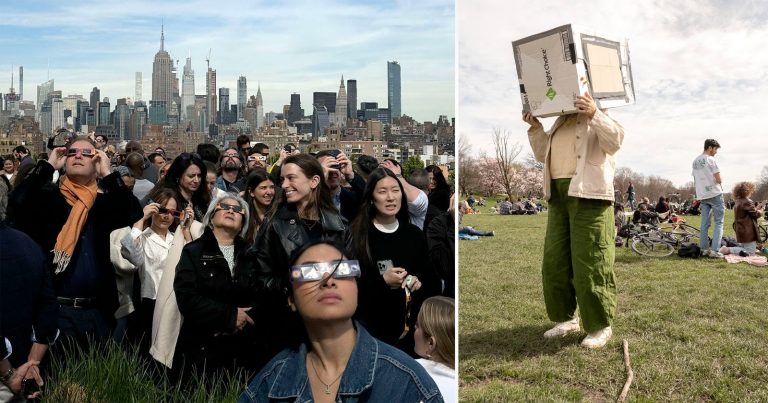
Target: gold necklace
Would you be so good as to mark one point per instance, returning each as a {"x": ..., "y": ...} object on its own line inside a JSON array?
[{"x": 327, "y": 385}]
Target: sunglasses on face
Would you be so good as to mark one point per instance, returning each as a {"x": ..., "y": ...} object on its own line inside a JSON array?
[
  {"x": 85, "y": 152},
  {"x": 234, "y": 207},
  {"x": 315, "y": 271},
  {"x": 257, "y": 157},
  {"x": 174, "y": 213}
]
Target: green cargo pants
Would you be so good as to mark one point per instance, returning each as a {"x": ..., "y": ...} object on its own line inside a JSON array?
[{"x": 578, "y": 259}]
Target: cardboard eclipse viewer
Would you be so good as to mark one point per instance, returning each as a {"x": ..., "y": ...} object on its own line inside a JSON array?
[{"x": 556, "y": 66}]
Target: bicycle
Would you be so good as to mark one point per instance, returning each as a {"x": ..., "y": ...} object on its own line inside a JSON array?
[{"x": 654, "y": 242}]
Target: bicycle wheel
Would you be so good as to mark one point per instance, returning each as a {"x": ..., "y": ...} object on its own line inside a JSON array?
[
  {"x": 682, "y": 232},
  {"x": 762, "y": 235},
  {"x": 651, "y": 247}
]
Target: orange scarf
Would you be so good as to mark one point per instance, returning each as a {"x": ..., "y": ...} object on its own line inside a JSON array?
[{"x": 81, "y": 198}]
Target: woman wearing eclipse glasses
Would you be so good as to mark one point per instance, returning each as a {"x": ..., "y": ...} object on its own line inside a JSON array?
[
  {"x": 336, "y": 359},
  {"x": 146, "y": 246},
  {"x": 213, "y": 331}
]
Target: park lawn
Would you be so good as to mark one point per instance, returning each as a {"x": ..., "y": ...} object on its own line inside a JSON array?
[{"x": 697, "y": 328}]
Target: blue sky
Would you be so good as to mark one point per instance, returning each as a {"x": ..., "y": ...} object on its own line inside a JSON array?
[
  {"x": 699, "y": 68},
  {"x": 297, "y": 46}
]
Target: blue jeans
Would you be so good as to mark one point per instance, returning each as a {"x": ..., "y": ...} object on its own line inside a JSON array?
[{"x": 716, "y": 206}]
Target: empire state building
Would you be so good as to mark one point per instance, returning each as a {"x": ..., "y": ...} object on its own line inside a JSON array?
[{"x": 162, "y": 74}]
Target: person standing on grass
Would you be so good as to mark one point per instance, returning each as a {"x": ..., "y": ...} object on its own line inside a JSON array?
[
  {"x": 579, "y": 245},
  {"x": 631, "y": 196},
  {"x": 706, "y": 175}
]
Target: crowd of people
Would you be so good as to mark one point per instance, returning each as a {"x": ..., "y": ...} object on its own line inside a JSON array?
[{"x": 218, "y": 261}]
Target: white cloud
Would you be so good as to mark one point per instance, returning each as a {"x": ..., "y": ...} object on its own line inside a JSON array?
[{"x": 699, "y": 70}]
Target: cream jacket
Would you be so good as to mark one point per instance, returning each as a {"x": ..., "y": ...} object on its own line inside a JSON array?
[
  {"x": 166, "y": 322},
  {"x": 596, "y": 142}
]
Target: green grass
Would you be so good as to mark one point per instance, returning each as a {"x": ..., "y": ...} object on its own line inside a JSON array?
[
  {"x": 118, "y": 374},
  {"x": 697, "y": 328}
]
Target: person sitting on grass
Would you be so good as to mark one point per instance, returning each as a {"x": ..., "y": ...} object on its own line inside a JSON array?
[
  {"x": 746, "y": 213},
  {"x": 643, "y": 215}
]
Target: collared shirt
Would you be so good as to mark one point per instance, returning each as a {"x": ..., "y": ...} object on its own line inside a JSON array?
[
  {"x": 375, "y": 370},
  {"x": 147, "y": 251}
]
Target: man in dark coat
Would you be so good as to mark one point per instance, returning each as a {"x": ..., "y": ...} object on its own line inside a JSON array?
[{"x": 71, "y": 223}]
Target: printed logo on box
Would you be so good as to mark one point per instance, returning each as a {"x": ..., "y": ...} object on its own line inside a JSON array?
[{"x": 551, "y": 93}]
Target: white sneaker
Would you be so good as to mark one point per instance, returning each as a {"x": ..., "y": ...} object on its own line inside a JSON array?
[
  {"x": 597, "y": 339},
  {"x": 563, "y": 328},
  {"x": 705, "y": 253},
  {"x": 715, "y": 254}
]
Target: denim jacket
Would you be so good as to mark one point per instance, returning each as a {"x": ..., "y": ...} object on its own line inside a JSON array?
[{"x": 376, "y": 372}]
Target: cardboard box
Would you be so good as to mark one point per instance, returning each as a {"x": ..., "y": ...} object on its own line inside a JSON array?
[{"x": 556, "y": 66}]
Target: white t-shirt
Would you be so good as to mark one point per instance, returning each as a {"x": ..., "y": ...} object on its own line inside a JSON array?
[
  {"x": 444, "y": 377},
  {"x": 418, "y": 210},
  {"x": 704, "y": 170}
]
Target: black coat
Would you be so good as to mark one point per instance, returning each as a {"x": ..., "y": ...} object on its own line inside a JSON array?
[
  {"x": 27, "y": 302},
  {"x": 441, "y": 235},
  {"x": 37, "y": 208},
  {"x": 279, "y": 236},
  {"x": 351, "y": 198}
]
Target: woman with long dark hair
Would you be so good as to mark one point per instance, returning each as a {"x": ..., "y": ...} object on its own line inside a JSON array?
[
  {"x": 397, "y": 275},
  {"x": 259, "y": 194},
  {"x": 302, "y": 213},
  {"x": 439, "y": 190},
  {"x": 187, "y": 177},
  {"x": 337, "y": 358}
]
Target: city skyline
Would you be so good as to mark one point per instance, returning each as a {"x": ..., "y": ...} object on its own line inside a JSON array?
[{"x": 253, "y": 42}]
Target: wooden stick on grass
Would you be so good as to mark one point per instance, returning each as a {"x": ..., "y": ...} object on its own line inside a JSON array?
[{"x": 630, "y": 373}]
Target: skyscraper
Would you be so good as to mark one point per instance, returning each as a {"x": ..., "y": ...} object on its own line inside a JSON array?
[
  {"x": 162, "y": 74},
  {"x": 340, "y": 116},
  {"x": 294, "y": 111},
  {"x": 352, "y": 99},
  {"x": 95, "y": 99},
  {"x": 187, "y": 90},
  {"x": 223, "y": 105},
  {"x": 327, "y": 99},
  {"x": 242, "y": 96},
  {"x": 42, "y": 94},
  {"x": 57, "y": 114},
  {"x": 210, "y": 88},
  {"x": 104, "y": 108},
  {"x": 393, "y": 88},
  {"x": 259, "y": 109},
  {"x": 139, "y": 86},
  {"x": 21, "y": 83}
]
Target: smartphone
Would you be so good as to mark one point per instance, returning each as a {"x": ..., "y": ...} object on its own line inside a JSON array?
[
  {"x": 28, "y": 387},
  {"x": 384, "y": 265},
  {"x": 288, "y": 148}
]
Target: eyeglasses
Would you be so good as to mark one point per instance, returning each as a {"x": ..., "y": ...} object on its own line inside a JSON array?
[
  {"x": 175, "y": 213},
  {"x": 234, "y": 207},
  {"x": 232, "y": 155},
  {"x": 316, "y": 271},
  {"x": 85, "y": 152},
  {"x": 257, "y": 157},
  {"x": 100, "y": 140}
]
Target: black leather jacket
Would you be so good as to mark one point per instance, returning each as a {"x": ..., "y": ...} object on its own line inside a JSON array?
[{"x": 284, "y": 233}]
